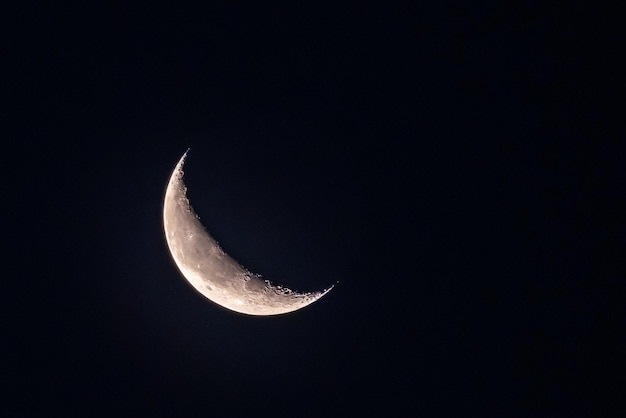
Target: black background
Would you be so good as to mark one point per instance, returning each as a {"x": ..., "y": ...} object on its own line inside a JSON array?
[{"x": 450, "y": 165}]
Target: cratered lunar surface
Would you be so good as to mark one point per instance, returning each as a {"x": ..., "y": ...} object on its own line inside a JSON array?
[{"x": 211, "y": 271}]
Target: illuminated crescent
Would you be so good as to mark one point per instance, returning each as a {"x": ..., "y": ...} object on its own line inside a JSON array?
[{"x": 211, "y": 271}]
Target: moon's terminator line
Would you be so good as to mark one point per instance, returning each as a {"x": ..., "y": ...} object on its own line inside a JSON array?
[{"x": 211, "y": 271}]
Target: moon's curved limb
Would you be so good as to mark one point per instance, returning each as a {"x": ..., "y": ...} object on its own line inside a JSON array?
[{"x": 210, "y": 270}]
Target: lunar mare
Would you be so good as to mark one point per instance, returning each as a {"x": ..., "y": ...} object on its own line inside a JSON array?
[{"x": 210, "y": 270}]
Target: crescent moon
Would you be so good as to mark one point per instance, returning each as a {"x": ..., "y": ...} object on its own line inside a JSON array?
[{"x": 211, "y": 271}]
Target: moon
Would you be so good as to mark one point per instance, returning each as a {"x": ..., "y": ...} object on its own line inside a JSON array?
[{"x": 211, "y": 271}]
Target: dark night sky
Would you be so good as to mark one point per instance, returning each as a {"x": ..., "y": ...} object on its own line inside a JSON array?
[{"x": 449, "y": 164}]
